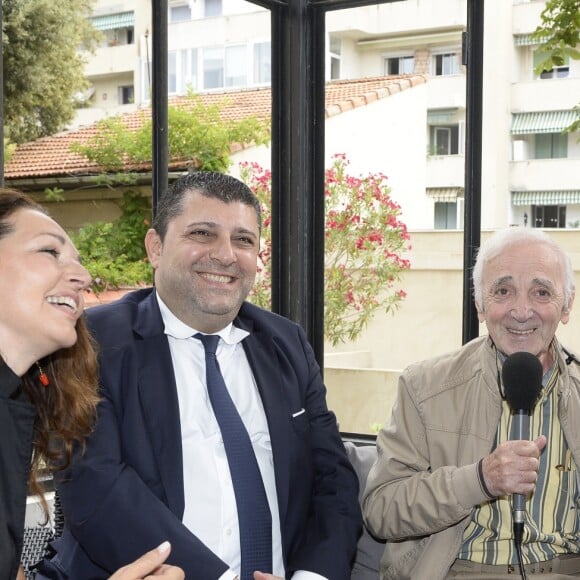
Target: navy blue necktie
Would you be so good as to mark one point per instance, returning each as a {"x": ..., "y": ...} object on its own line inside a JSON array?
[{"x": 254, "y": 515}]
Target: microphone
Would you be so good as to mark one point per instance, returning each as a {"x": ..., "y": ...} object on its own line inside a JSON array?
[{"x": 522, "y": 380}]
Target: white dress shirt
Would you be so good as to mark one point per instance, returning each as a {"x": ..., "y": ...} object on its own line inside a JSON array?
[{"x": 210, "y": 503}]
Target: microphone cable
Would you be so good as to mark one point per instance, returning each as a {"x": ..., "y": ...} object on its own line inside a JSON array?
[{"x": 518, "y": 536}]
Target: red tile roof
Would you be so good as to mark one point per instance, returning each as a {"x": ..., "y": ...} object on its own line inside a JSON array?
[{"x": 52, "y": 157}]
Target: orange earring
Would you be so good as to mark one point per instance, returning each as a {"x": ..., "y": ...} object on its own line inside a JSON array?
[{"x": 42, "y": 376}]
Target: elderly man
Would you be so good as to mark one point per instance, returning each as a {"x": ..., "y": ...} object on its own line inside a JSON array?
[{"x": 441, "y": 489}]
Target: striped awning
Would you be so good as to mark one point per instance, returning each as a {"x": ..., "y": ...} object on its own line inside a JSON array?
[
  {"x": 113, "y": 21},
  {"x": 524, "y": 40},
  {"x": 445, "y": 194},
  {"x": 542, "y": 121},
  {"x": 556, "y": 197},
  {"x": 441, "y": 116}
]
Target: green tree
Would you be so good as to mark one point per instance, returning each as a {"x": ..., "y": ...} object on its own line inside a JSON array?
[
  {"x": 197, "y": 135},
  {"x": 559, "y": 35},
  {"x": 43, "y": 67}
]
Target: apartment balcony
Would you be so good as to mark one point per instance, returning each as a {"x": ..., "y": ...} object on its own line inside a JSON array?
[
  {"x": 543, "y": 174},
  {"x": 112, "y": 60},
  {"x": 446, "y": 92},
  {"x": 545, "y": 95},
  {"x": 445, "y": 171},
  {"x": 399, "y": 18},
  {"x": 526, "y": 16}
]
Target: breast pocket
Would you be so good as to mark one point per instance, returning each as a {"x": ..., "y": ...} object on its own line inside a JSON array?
[{"x": 300, "y": 422}]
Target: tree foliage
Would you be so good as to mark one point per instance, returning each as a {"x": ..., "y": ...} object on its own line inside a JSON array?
[
  {"x": 559, "y": 35},
  {"x": 43, "y": 67},
  {"x": 197, "y": 134}
]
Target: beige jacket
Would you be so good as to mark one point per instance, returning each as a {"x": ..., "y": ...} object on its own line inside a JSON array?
[{"x": 421, "y": 491}]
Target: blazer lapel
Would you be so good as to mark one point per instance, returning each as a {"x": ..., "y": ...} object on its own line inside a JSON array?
[{"x": 158, "y": 395}]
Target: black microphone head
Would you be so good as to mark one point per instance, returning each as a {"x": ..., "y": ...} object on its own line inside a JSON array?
[{"x": 522, "y": 380}]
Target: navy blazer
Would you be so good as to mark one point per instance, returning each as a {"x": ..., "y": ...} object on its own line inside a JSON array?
[{"x": 125, "y": 495}]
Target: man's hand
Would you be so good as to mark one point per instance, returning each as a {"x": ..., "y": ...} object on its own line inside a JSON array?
[
  {"x": 513, "y": 467},
  {"x": 263, "y": 576},
  {"x": 150, "y": 565}
]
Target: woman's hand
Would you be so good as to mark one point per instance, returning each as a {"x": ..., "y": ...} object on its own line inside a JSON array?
[{"x": 150, "y": 565}]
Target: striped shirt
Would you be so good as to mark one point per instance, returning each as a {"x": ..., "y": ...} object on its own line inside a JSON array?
[{"x": 552, "y": 511}]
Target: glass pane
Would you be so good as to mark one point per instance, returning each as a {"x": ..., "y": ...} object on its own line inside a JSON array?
[
  {"x": 179, "y": 13},
  {"x": 560, "y": 148},
  {"x": 262, "y": 62},
  {"x": 543, "y": 146},
  {"x": 236, "y": 66},
  {"x": 213, "y": 68},
  {"x": 213, "y": 7},
  {"x": 172, "y": 73}
]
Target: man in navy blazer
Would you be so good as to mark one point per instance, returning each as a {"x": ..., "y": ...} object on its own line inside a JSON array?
[{"x": 125, "y": 494}]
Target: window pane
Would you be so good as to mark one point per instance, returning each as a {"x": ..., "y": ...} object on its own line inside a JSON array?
[
  {"x": 179, "y": 13},
  {"x": 400, "y": 65},
  {"x": 213, "y": 68},
  {"x": 213, "y": 8},
  {"x": 445, "y": 215},
  {"x": 172, "y": 73},
  {"x": 560, "y": 146},
  {"x": 262, "y": 62},
  {"x": 446, "y": 64},
  {"x": 550, "y": 146},
  {"x": 236, "y": 66}
]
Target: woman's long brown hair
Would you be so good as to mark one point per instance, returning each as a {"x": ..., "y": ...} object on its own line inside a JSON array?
[{"x": 66, "y": 408}]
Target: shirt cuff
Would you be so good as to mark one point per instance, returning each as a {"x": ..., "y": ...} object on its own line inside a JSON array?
[
  {"x": 482, "y": 480},
  {"x": 304, "y": 575}
]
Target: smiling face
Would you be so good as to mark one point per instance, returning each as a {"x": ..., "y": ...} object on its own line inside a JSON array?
[
  {"x": 41, "y": 289},
  {"x": 523, "y": 299},
  {"x": 206, "y": 265}
]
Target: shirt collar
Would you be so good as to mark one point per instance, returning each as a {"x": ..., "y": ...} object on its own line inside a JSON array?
[{"x": 175, "y": 328}]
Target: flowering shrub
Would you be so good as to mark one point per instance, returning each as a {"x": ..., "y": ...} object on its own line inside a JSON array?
[{"x": 363, "y": 244}]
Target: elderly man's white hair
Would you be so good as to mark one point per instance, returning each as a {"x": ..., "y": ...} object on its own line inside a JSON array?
[{"x": 505, "y": 238}]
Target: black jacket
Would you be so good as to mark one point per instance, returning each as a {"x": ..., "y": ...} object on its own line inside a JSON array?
[{"x": 16, "y": 433}]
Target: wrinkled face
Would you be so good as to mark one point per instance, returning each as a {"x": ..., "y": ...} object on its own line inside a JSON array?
[
  {"x": 206, "y": 265},
  {"x": 41, "y": 286},
  {"x": 523, "y": 299}
]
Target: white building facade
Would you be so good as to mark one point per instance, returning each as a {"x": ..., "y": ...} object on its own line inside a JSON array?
[{"x": 530, "y": 168}]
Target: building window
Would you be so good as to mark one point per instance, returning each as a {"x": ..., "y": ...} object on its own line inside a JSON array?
[
  {"x": 399, "y": 65},
  {"x": 179, "y": 13},
  {"x": 558, "y": 72},
  {"x": 262, "y": 62},
  {"x": 549, "y": 216},
  {"x": 445, "y": 64},
  {"x": 236, "y": 67},
  {"x": 550, "y": 146},
  {"x": 182, "y": 71},
  {"x": 335, "y": 57},
  {"x": 445, "y": 215},
  {"x": 444, "y": 140},
  {"x": 212, "y": 8},
  {"x": 127, "y": 95},
  {"x": 213, "y": 68}
]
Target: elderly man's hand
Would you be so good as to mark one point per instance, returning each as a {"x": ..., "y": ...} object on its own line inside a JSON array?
[
  {"x": 150, "y": 565},
  {"x": 513, "y": 467},
  {"x": 263, "y": 576}
]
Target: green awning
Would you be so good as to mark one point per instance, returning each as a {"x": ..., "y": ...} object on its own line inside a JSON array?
[
  {"x": 113, "y": 21},
  {"x": 445, "y": 194},
  {"x": 441, "y": 116},
  {"x": 557, "y": 197},
  {"x": 524, "y": 40},
  {"x": 542, "y": 121}
]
